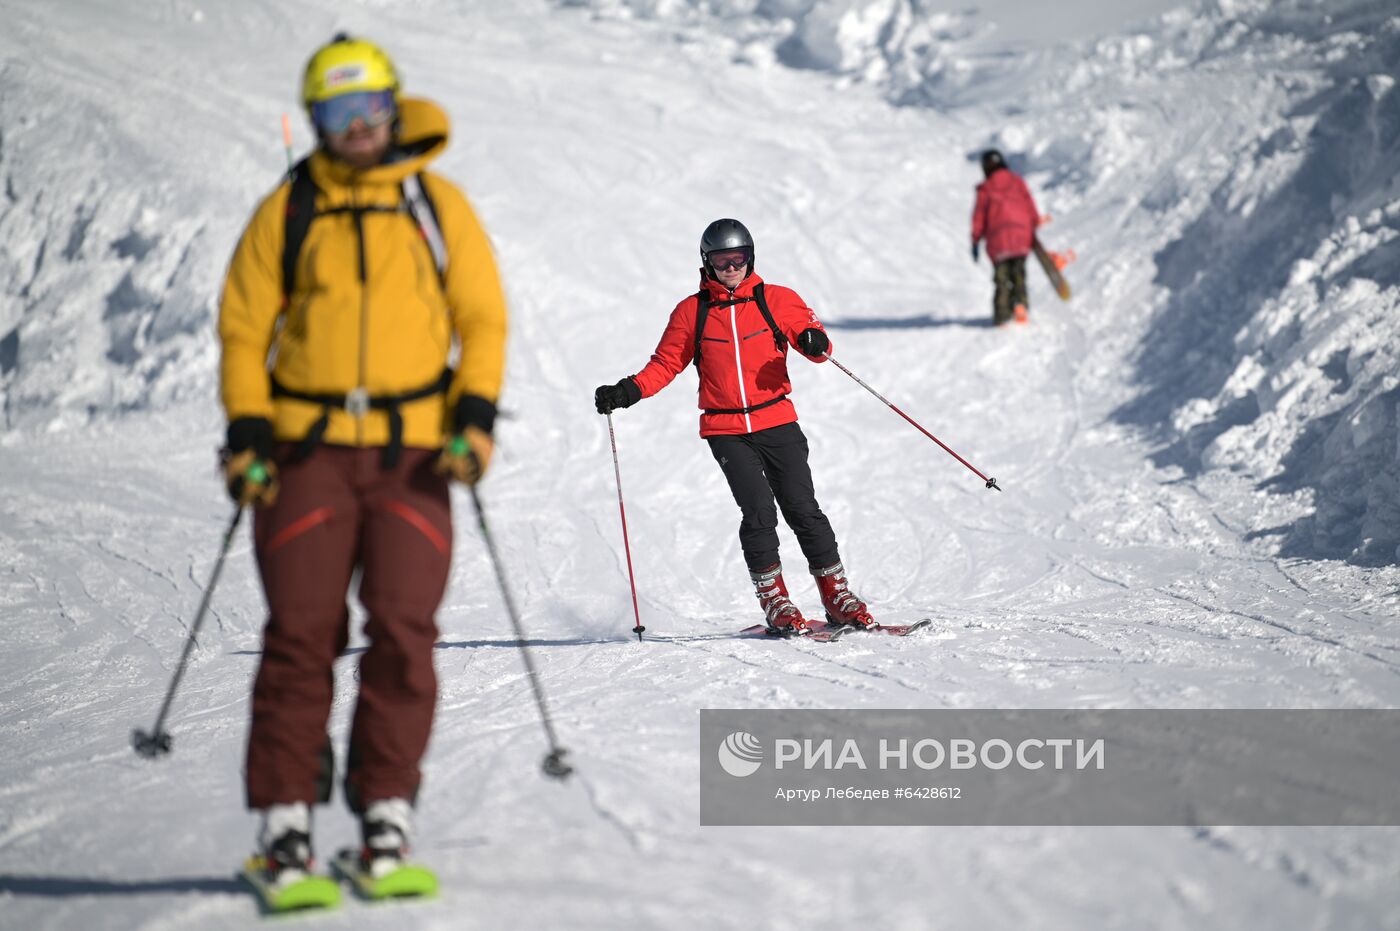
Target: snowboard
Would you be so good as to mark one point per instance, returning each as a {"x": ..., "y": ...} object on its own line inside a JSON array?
[
  {"x": 1052, "y": 269},
  {"x": 408, "y": 880},
  {"x": 308, "y": 892},
  {"x": 823, "y": 632}
]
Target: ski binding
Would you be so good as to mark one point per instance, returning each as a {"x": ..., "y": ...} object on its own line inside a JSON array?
[
  {"x": 302, "y": 892},
  {"x": 407, "y": 880}
]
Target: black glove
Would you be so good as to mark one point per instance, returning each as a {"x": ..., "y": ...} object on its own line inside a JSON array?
[
  {"x": 975, "y": 247},
  {"x": 473, "y": 411},
  {"x": 467, "y": 450},
  {"x": 249, "y": 472},
  {"x": 609, "y": 398},
  {"x": 253, "y": 433},
  {"x": 813, "y": 342}
]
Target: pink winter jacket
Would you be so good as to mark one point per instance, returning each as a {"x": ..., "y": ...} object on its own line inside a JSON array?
[{"x": 1005, "y": 215}]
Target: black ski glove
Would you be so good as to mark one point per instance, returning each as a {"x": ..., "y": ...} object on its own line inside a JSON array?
[
  {"x": 467, "y": 450},
  {"x": 975, "y": 247},
  {"x": 813, "y": 342},
  {"x": 608, "y": 398},
  {"x": 473, "y": 411},
  {"x": 249, "y": 472}
]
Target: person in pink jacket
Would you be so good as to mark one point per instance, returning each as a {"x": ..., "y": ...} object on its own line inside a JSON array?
[{"x": 1006, "y": 216}]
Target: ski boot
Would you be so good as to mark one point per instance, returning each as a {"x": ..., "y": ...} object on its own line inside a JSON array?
[
  {"x": 385, "y": 828},
  {"x": 1020, "y": 313},
  {"x": 284, "y": 844},
  {"x": 379, "y": 870},
  {"x": 842, "y": 606},
  {"x": 281, "y": 872},
  {"x": 779, "y": 612}
]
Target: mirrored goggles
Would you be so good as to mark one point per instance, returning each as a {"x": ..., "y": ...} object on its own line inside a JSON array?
[
  {"x": 724, "y": 260},
  {"x": 336, "y": 114}
]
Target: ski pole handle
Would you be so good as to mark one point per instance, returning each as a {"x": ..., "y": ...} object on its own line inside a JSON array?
[{"x": 990, "y": 482}]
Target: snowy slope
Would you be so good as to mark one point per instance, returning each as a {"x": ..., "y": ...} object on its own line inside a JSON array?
[
  {"x": 1121, "y": 568},
  {"x": 1273, "y": 248}
]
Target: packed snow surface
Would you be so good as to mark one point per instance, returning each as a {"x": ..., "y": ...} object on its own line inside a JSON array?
[{"x": 1198, "y": 452}]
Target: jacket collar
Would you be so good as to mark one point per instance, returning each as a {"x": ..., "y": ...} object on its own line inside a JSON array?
[
  {"x": 719, "y": 292},
  {"x": 997, "y": 178},
  {"x": 422, "y": 136}
]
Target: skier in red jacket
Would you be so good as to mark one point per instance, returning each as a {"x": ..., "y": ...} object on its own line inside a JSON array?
[
  {"x": 740, "y": 351},
  {"x": 1006, "y": 216}
]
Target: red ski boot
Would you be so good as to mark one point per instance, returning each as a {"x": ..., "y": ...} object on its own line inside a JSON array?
[
  {"x": 842, "y": 606},
  {"x": 778, "y": 610}
]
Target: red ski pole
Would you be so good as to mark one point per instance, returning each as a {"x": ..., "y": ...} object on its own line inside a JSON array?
[
  {"x": 991, "y": 482},
  {"x": 626, "y": 547}
]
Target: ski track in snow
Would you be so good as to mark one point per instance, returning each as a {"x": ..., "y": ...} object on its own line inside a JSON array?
[{"x": 1096, "y": 579}]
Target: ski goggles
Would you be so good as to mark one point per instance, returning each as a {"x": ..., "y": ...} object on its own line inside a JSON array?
[
  {"x": 337, "y": 114},
  {"x": 722, "y": 260}
]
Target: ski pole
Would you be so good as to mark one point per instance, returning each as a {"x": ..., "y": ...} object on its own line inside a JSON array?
[
  {"x": 991, "y": 482},
  {"x": 157, "y": 742},
  {"x": 626, "y": 547},
  {"x": 554, "y": 764}
]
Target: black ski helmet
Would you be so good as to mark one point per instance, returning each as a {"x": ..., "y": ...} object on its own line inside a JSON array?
[
  {"x": 992, "y": 161},
  {"x": 724, "y": 234}
]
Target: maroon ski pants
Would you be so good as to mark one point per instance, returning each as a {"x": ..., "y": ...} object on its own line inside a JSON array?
[{"x": 339, "y": 510}]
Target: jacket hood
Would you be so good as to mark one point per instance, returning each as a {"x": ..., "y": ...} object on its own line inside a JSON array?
[{"x": 422, "y": 135}]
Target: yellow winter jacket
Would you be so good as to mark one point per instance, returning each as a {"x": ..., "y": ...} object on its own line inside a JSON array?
[{"x": 368, "y": 310}]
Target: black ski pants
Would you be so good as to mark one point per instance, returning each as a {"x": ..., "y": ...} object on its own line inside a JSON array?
[
  {"x": 770, "y": 464},
  {"x": 1009, "y": 275}
]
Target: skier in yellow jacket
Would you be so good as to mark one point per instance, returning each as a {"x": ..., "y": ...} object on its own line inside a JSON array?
[{"x": 356, "y": 285}]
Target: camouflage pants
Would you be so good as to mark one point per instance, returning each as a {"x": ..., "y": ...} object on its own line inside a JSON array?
[{"x": 1009, "y": 275}]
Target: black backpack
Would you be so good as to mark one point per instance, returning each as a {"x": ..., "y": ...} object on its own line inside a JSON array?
[
  {"x": 702, "y": 313},
  {"x": 301, "y": 210}
]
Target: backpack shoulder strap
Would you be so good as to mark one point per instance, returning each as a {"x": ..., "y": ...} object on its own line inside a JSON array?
[
  {"x": 702, "y": 313},
  {"x": 779, "y": 339},
  {"x": 301, "y": 210},
  {"x": 420, "y": 206}
]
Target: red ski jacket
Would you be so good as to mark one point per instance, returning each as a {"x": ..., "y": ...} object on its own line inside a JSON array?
[
  {"x": 741, "y": 365},
  {"x": 1005, "y": 214}
]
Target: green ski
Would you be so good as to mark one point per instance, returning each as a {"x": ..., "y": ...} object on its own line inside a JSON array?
[
  {"x": 407, "y": 880},
  {"x": 303, "y": 892}
]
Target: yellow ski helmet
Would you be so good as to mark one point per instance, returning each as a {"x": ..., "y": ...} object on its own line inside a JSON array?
[{"x": 346, "y": 65}]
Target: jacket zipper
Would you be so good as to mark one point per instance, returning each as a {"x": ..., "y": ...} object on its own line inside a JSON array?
[
  {"x": 364, "y": 306},
  {"x": 738, "y": 363}
]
